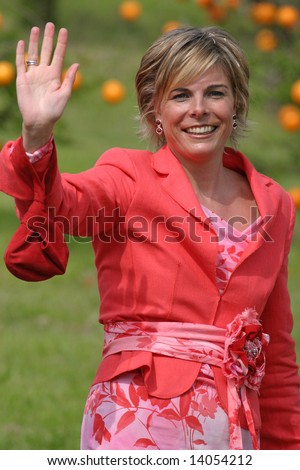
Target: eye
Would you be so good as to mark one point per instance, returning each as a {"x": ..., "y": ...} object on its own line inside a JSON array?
[
  {"x": 216, "y": 94},
  {"x": 180, "y": 96}
]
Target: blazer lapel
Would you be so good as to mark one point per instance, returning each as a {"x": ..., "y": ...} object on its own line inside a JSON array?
[
  {"x": 176, "y": 182},
  {"x": 178, "y": 186},
  {"x": 260, "y": 186}
]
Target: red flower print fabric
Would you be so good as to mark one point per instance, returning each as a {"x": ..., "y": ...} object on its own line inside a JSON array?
[{"x": 121, "y": 415}]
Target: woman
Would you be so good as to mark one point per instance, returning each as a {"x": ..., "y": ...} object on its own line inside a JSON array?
[{"x": 198, "y": 351}]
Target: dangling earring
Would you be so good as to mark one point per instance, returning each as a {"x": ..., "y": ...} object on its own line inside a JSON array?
[
  {"x": 234, "y": 123},
  {"x": 159, "y": 129}
]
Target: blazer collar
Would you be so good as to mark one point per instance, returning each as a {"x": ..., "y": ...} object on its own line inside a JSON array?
[
  {"x": 260, "y": 184},
  {"x": 177, "y": 184}
]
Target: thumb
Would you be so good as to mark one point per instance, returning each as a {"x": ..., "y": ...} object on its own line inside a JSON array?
[{"x": 69, "y": 78}]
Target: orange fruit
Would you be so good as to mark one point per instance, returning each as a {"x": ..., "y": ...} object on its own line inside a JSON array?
[
  {"x": 287, "y": 16},
  {"x": 7, "y": 72},
  {"x": 130, "y": 10},
  {"x": 112, "y": 91},
  {"x": 170, "y": 25},
  {"x": 233, "y": 4},
  {"x": 289, "y": 117},
  {"x": 217, "y": 13},
  {"x": 295, "y": 91},
  {"x": 78, "y": 79},
  {"x": 205, "y": 3},
  {"x": 1, "y": 20},
  {"x": 263, "y": 13},
  {"x": 295, "y": 194},
  {"x": 265, "y": 40}
]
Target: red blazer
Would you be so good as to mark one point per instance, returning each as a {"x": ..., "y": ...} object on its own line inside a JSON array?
[{"x": 156, "y": 260}]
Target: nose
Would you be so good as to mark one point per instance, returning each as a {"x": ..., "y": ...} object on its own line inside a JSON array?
[{"x": 198, "y": 106}]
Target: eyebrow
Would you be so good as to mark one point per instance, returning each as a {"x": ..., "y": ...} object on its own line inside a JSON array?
[
  {"x": 214, "y": 85},
  {"x": 218, "y": 85}
]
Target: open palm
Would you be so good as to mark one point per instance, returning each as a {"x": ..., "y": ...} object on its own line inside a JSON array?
[{"x": 42, "y": 96}]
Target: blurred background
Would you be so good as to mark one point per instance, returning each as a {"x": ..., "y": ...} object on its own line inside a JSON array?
[{"x": 50, "y": 341}]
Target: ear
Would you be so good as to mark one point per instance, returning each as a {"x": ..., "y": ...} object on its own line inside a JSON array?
[
  {"x": 157, "y": 114},
  {"x": 157, "y": 110}
]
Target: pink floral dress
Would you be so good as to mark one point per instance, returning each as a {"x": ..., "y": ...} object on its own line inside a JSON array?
[{"x": 120, "y": 414}]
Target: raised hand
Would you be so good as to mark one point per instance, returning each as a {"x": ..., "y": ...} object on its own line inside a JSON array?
[{"x": 42, "y": 96}]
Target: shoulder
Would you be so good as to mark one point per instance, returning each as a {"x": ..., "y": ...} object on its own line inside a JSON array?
[
  {"x": 129, "y": 161},
  {"x": 119, "y": 155}
]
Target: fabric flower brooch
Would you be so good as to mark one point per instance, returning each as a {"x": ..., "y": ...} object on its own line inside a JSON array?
[{"x": 245, "y": 344}]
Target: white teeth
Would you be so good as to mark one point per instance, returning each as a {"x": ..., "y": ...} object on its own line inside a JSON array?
[{"x": 200, "y": 130}]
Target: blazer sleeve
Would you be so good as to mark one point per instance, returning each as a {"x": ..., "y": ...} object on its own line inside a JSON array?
[
  {"x": 280, "y": 391},
  {"x": 81, "y": 202},
  {"x": 14, "y": 183}
]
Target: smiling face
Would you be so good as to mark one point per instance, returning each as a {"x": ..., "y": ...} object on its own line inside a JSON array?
[{"x": 197, "y": 117}]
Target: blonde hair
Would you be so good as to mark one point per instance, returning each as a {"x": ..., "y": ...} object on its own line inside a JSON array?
[{"x": 178, "y": 57}]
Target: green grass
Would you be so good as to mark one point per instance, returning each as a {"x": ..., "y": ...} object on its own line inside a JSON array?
[{"x": 50, "y": 341}]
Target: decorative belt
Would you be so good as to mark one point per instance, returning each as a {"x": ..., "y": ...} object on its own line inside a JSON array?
[{"x": 238, "y": 349}]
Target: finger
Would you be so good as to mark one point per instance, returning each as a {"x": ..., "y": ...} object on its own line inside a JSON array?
[
  {"x": 20, "y": 59},
  {"x": 61, "y": 47},
  {"x": 47, "y": 44},
  {"x": 69, "y": 79},
  {"x": 33, "y": 47}
]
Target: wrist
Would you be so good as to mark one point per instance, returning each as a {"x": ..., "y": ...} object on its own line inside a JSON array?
[
  {"x": 41, "y": 152},
  {"x": 34, "y": 139}
]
